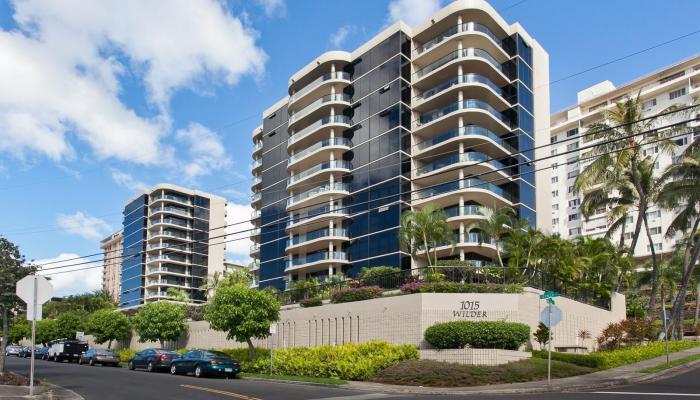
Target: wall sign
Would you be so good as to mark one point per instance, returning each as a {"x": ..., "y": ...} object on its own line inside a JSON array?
[{"x": 469, "y": 309}]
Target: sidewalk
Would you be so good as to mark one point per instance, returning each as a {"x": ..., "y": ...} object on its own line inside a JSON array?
[
  {"x": 44, "y": 391},
  {"x": 608, "y": 378}
]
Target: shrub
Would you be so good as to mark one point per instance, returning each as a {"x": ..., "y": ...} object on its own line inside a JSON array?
[
  {"x": 457, "y": 287},
  {"x": 126, "y": 354},
  {"x": 314, "y": 302},
  {"x": 583, "y": 360},
  {"x": 356, "y": 294},
  {"x": 478, "y": 334},
  {"x": 629, "y": 331},
  {"x": 382, "y": 276},
  {"x": 350, "y": 361},
  {"x": 242, "y": 355}
]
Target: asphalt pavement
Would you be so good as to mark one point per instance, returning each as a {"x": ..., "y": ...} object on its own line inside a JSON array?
[{"x": 107, "y": 383}]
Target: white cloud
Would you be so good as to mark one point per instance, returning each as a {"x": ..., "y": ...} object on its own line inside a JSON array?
[
  {"x": 84, "y": 225},
  {"x": 206, "y": 150},
  {"x": 339, "y": 37},
  {"x": 412, "y": 11},
  {"x": 128, "y": 181},
  {"x": 238, "y": 249},
  {"x": 273, "y": 7},
  {"x": 61, "y": 71},
  {"x": 82, "y": 281}
]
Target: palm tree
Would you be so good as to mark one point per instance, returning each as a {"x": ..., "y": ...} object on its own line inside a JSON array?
[
  {"x": 680, "y": 192},
  {"x": 211, "y": 283},
  {"x": 497, "y": 224},
  {"x": 424, "y": 230},
  {"x": 179, "y": 295},
  {"x": 521, "y": 246}
]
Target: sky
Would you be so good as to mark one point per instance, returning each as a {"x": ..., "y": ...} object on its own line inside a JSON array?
[{"x": 101, "y": 99}]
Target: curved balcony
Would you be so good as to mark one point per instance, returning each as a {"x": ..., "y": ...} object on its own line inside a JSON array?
[
  {"x": 474, "y": 163},
  {"x": 170, "y": 221},
  {"x": 255, "y": 215},
  {"x": 254, "y": 266},
  {"x": 320, "y": 151},
  {"x": 458, "y": 214},
  {"x": 257, "y": 133},
  {"x": 167, "y": 234},
  {"x": 321, "y": 259},
  {"x": 254, "y": 233},
  {"x": 255, "y": 198},
  {"x": 318, "y": 108},
  {"x": 471, "y": 135},
  {"x": 257, "y": 148},
  {"x": 338, "y": 166},
  {"x": 318, "y": 130},
  {"x": 318, "y": 195},
  {"x": 171, "y": 198},
  {"x": 475, "y": 111},
  {"x": 475, "y": 34},
  {"x": 167, "y": 258},
  {"x": 168, "y": 282},
  {"x": 318, "y": 237},
  {"x": 473, "y": 189},
  {"x": 168, "y": 270},
  {"x": 317, "y": 217},
  {"x": 319, "y": 87},
  {"x": 171, "y": 210},
  {"x": 257, "y": 182},
  {"x": 254, "y": 249},
  {"x": 471, "y": 85},
  {"x": 257, "y": 166},
  {"x": 181, "y": 247},
  {"x": 475, "y": 60}
]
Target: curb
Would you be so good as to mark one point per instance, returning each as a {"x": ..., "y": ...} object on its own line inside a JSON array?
[{"x": 329, "y": 385}]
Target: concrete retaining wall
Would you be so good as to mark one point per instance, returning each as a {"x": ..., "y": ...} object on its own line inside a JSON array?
[{"x": 475, "y": 356}]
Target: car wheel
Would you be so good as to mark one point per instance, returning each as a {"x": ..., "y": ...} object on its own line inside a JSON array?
[
  {"x": 149, "y": 367},
  {"x": 131, "y": 366},
  {"x": 198, "y": 372},
  {"x": 91, "y": 362},
  {"x": 173, "y": 370},
  {"x": 80, "y": 361}
]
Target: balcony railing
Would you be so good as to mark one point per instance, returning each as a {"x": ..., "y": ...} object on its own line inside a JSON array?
[
  {"x": 257, "y": 163},
  {"x": 167, "y": 282},
  {"x": 167, "y": 257},
  {"x": 255, "y": 214},
  {"x": 465, "y": 131},
  {"x": 316, "y": 257},
  {"x": 171, "y": 221},
  {"x": 468, "y": 78},
  {"x": 258, "y": 146},
  {"x": 301, "y": 217},
  {"x": 171, "y": 197},
  {"x": 331, "y": 119},
  {"x": 463, "y": 105},
  {"x": 463, "y": 53},
  {"x": 462, "y": 184},
  {"x": 181, "y": 271},
  {"x": 318, "y": 145},
  {"x": 255, "y": 248},
  {"x": 340, "y": 164},
  {"x": 255, "y": 232},
  {"x": 174, "y": 210},
  {"x": 338, "y": 97},
  {"x": 169, "y": 234},
  {"x": 178, "y": 246},
  {"x": 471, "y": 156},
  {"x": 340, "y": 187},
  {"x": 469, "y": 210},
  {"x": 255, "y": 197},
  {"x": 316, "y": 82},
  {"x": 466, "y": 27},
  {"x": 321, "y": 233}
]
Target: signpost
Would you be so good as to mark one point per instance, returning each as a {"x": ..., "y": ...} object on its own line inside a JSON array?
[
  {"x": 273, "y": 330},
  {"x": 550, "y": 316},
  {"x": 35, "y": 290}
]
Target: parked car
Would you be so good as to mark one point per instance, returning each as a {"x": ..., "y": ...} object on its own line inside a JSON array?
[
  {"x": 66, "y": 349},
  {"x": 153, "y": 359},
  {"x": 41, "y": 353},
  {"x": 99, "y": 356},
  {"x": 25, "y": 352},
  {"x": 205, "y": 362},
  {"x": 12, "y": 350}
]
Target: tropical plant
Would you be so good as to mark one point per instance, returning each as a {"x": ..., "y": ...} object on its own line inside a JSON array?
[
  {"x": 496, "y": 225},
  {"x": 68, "y": 323},
  {"x": 82, "y": 304},
  {"x": 108, "y": 325},
  {"x": 243, "y": 313},
  {"x": 160, "y": 321},
  {"x": 179, "y": 295},
  {"x": 542, "y": 335},
  {"x": 424, "y": 230}
]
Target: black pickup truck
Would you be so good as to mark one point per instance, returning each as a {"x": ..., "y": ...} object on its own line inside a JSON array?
[{"x": 66, "y": 349}]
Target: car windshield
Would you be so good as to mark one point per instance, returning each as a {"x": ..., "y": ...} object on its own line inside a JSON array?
[
  {"x": 104, "y": 352},
  {"x": 169, "y": 352},
  {"x": 215, "y": 354}
]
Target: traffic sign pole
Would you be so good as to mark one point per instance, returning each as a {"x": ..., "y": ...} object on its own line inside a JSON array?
[
  {"x": 35, "y": 290},
  {"x": 549, "y": 353},
  {"x": 31, "y": 363}
]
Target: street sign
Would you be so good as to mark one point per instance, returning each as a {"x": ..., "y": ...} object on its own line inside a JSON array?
[
  {"x": 551, "y": 320},
  {"x": 35, "y": 290},
  {"x": 550, "y": 302},
  {"x": 273, "y": 329},
  {"x": 79, "y": 335},
  {"x": 548, "y": 295},
  {"x": 25, "y": 291}
]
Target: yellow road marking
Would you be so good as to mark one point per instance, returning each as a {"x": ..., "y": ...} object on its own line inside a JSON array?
[{"x": 225, "y": 393}]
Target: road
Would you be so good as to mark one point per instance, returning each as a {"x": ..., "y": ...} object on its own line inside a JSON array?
[{"x": 107, "y": 383}]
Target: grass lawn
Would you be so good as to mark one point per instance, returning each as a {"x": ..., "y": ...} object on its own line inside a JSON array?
[
  {"x": 672, "y": 364},
  {"x": 442, "y": 374},
  {"x": 310, "y": 379}
]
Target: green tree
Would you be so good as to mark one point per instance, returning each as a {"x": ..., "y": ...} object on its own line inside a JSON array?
[
  {"x": 179, "y": 295},
  {"x": 542, "y": 335},
  {"x": 83, "y": 304},
  {"x": 160, "y": 321},
  {"x": 19, "y": 331},
  {"x": 13, "y": 267},
  {"x": 496, "y": 225},
  {"x": 68, "y": 323},
  {"x": 243, "y": 313},
  {"x": 108, "y": 325},
  {"x": 424, "y": 230},
  {"x": 46, "y": 331}
]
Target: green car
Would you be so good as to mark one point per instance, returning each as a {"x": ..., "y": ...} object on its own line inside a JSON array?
[{"x": 205, "y": 362}]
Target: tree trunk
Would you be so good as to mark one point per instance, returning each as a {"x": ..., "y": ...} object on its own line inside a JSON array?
[
  {"x": 109, "y": 344},
  {"x": 4, "y": 340},
  {"x": 654, "y": 264},
  {"x": 690, "y": 259},
  {"x": 697, "y": 305},
  {"x": 162, "y": 343},
  {"x": 251, "y": 349}
]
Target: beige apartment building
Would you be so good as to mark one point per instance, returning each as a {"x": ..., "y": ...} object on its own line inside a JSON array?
[
  {"x": 111, "y": 278},
  {"x": 676, "y": 84}
]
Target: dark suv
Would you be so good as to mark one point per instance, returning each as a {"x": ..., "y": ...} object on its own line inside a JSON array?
[{"x": 153, "y": 359}]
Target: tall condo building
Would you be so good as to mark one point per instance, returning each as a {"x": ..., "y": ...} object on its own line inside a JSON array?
[
  {"x": 173, "y": 238},
  {"x": 111, "y": 275},
  {"x": 675, "y": 85},
  {"x": 447, "y": 112}
]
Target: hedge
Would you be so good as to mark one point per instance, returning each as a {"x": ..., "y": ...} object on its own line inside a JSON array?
[
  {"x": 457, "y": 287},
  {"x": 382, "y": 276},
  {"x": 312, "y": 302},
  {"x": 478, "y": 334},
  {"x": 125, "y": 355},
  {"x": 350, "y": 361},
  {"x": 356, "y": 294},
  {"x": 619, "y": 357},
  {"x": 242, "y": 355}
]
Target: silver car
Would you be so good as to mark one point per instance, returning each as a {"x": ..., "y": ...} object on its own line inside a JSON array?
[{"x": 12, "y": 350}]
